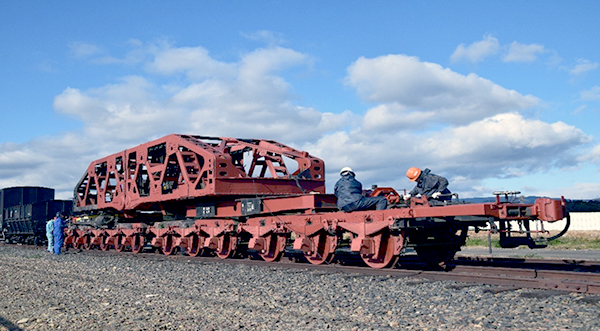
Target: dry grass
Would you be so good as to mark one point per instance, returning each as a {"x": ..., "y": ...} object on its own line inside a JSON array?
[
  {"x": 586, "y": 235},
  {"x": 571, "y": 240}
]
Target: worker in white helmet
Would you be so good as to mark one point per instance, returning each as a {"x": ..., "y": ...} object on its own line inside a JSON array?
[{"x": 349, "y": 194}]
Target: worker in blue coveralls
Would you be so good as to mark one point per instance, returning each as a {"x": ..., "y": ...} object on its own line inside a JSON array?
[
  {"x": 59, "y": 235},
  {"x": 428, "y": 184},
  {"x": 349, "y": 194},
  {"x": 50, "y": 234}
]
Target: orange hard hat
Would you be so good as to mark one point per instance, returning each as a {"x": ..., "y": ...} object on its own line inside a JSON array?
[{"x": 413, "y": 174}]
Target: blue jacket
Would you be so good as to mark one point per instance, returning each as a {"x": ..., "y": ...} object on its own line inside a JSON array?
[
  {"x": 429, "y": 183},
  {"x": 59, "y": 226},
  {"x": 347, "y": 190}
]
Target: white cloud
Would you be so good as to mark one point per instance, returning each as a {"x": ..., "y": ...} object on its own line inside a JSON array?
[
  {"x": 506, "y": 141},
  {"x": 257, "y": 69},
  {"x": 513, "y": 52},
  {"x": 477, "y": 51},
  {"x": 593, "y": 156},
  {"x": 553, "y": 60},
  {"x": 591, "y": 94},
  {"x": 247, "y": 97},
  {"x": 523, "y": 53},
  {"x": 503, "y": 146},
  {"x": 575, "y": 191},
  {"x": 83, "y": 50},
  {"x": 137, "y": 52},
  {"x": 55, "y": 162},
  {"x": 582, "y": 66},
  {"x": 418, "y": 93},
  {"x": 579, "y": 109},
  {"x": 364, "y": 153},
  {"x": 269, "y": 37},
  {"x": 47, "y": 66},
  {"x": 123, "y": 111},
  {"x": 393, "y": 117},
  {"x": 194, "y": 62},
  {"x": 15, "y": 158}
]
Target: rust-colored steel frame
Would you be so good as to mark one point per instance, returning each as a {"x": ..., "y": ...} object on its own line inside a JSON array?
[
  {"x": 303, "y": 204},
  {"x": 177, "y": 168},
  {"x": 377, "y": 235}
]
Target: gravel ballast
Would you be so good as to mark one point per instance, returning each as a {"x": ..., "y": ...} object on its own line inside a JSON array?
[{"x": 82, "y": 291}]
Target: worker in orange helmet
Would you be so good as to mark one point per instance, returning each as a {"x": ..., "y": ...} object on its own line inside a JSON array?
[{"x": 428, "y": 184}]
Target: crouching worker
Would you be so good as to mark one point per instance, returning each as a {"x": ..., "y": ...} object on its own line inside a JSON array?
[
  {"x": 430, "y": 185},
  {"x": 349, "y": 194}
]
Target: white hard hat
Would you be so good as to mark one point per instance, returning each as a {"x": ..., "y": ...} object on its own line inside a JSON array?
[{"x": 346, "y": 169}]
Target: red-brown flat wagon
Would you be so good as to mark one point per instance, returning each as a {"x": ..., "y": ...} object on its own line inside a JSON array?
[{"x": 227, "y": 196}]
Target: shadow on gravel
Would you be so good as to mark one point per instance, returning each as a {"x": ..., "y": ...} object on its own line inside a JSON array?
[{"x": 8, "y": 325}]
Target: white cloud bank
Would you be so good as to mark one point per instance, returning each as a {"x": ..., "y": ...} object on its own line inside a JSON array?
[
  {"x": 582, "y": 66},
  {"x": 490, "y": 46},
  {"x": 417, "y": 93},
  {"x": 591, "y": 94},
  {"x": 523, "y": 53},
  {"x": 477, "y": 51},
  {"x": 463, "y": 126}
]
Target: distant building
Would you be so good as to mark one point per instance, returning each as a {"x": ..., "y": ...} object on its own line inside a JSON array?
[{"x": 579, "y": 222}]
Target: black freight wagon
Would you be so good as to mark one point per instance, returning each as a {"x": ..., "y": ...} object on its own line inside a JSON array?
[{"x": 25, "y": 211}]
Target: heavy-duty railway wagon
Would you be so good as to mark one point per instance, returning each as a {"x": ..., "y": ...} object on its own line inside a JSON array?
[
  {"x": 230, "y": 197},
  {"x": 25, "y": 211}
]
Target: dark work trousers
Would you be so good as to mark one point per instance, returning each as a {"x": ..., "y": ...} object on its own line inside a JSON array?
[{"x": 366, "y": 203}]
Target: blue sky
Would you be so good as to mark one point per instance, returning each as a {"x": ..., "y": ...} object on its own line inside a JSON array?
[{"x": 493, "y": 95}]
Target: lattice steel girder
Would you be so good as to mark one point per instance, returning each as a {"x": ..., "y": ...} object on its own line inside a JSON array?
[{"x": 185, "y": 167}]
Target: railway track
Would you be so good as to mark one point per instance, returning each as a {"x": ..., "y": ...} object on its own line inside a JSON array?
[
  {"x": 556, "y": 274},
  {"x": 506, "y": 273}
]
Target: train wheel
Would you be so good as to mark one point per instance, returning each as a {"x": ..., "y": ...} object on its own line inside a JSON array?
[
  {"x": 388, "y": 252},
  {"x": 119, "y": 246},
  {"x": 194, "y": 245},
  {"x": 76, "y": 244},
  {"x": 441, "y": 245},
  {"x": 323, "y": 248},
  {"x": 226, "y": 246},
  {"x": 87, "y": 242},
  {"x": 137, "y": 243},
  {"x": 436, "y": 256},
  {"x": 104, "y": 243},
  {"x": 274, "y": 247},
  {"x": 167, "y": 247},
  {"x": 69, "y": 242}
]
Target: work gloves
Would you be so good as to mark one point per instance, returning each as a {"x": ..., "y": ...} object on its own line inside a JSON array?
[{"x": 434, "y": 196}]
